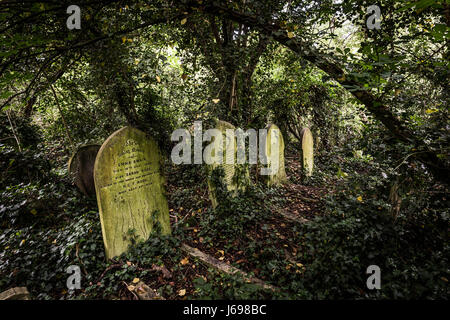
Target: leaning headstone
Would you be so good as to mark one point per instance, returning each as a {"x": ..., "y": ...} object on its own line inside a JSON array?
[
  {"x": 307, "y": 157},
  {"x": 273, "y": 148},
  {"x": 236, "y": 177},
  {"x": 18, "y": 293},
  {"x": 81, "y": 168},
  {"x": 130, "y": 191}
]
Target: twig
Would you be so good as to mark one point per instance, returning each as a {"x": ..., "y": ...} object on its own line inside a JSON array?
[
  {"x": 13, "y": 130},
  {"x": 409, "y": 155},
  {"x": 77, "y": 249},
  {"x": 62, "y": 116},
  {"x": 126, "y": 286},
  {"x": 117, "y": 265}
]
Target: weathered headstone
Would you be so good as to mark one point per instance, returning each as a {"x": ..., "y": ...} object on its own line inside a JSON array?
[
  {"x": 235, "y": 177},
  {"x": 307, "y": 156},
  {"x": 18, "y": 293},
  {"x": 81, "y": 168},
  {"x": 274, "y": 155},
  {"x": 130, "y": 191}
]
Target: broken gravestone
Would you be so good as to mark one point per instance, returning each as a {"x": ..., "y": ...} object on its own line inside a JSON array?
[
  {"x": 18, "y": 293},
  {"x": 130, "y": 191},
  {"x": 307, "y": 156},
  {"x": 221, "y": 153},
  {"x": 81, "y": 168},
  {"x": 273, "y": 152}
]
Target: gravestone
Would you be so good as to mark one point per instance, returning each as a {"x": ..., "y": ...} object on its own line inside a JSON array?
[
  {"x": 236, "y": 177},
  {"x": 130, "y": 191},
  {"x": 273, "y": 147},
  {"x": 307, "y": 156},
  {"x": 17, "y": 293},
  {"x": 81, "y": 168}
]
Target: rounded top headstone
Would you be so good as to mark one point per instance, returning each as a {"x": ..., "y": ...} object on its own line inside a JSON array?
[
  {"x": 274, "y": 153},
  {"x": 81, "y": 168},
  {"x": 130, "y": 190},
  {"x": 307, "y": 151}
]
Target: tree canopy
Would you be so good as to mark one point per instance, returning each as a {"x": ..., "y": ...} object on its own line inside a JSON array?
[{"x": 375, "y": 99}]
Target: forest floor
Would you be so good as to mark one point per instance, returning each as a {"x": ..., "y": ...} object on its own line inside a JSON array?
[
  {"x": 310, "y": 238},
  {"x": 290, "y": 204}
]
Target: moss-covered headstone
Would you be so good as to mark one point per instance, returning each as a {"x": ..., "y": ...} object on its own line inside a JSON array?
[
  {"x": 274, "y": 156},
  {"x": 130, "y": 191},
  {"x": 221, "y": 153},
  {"x": 81, "y": 168},
  {"x": 307, "y": 156}
]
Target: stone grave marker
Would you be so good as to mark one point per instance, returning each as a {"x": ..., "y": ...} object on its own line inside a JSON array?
[
  {"x": 17, "y": 293},
  {"x": 233, "y": 179},
  {"x": 274, "y": 155},
  {"x": 81, "y": 168},
  {"x": 130, "y": 191},
  {"x": 307, "y": 157}
]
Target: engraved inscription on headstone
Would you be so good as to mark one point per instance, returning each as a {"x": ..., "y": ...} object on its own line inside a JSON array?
[
  {"x": 130, "y": 191},
  {"x": 81, "y": 168}
]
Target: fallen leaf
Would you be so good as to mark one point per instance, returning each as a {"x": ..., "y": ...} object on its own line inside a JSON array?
[
  {"x": 135, "y": 280},
  {"x": 184, "y": 261},
  {"x": 131, "y": 288},
  {"x": 182, "y": 292}
]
